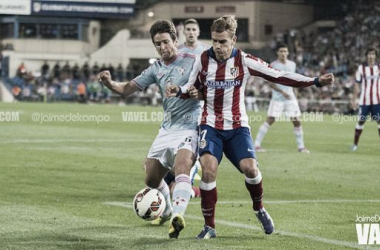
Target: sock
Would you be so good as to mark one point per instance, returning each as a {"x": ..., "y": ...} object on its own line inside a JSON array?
[
  {"x": 209, "y": 197},
  {"x": 261, "y": 134},
  {"x": 298, "y": 132},
  {"x": 255, "y": 188},
  {"x": 358, "y": 132},
  {"x": 181, "y": 194},
  {"x": 164, "y": 189}
]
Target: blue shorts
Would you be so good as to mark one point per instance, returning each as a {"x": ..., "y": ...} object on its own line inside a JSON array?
[
  {"x": 365, "y": 110},
  {"x": 236, "y": 144}
]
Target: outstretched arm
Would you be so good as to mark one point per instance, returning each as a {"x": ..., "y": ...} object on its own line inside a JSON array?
[
  {"x": 125, "y": 89},
  {"x": 258, "y": 67}
]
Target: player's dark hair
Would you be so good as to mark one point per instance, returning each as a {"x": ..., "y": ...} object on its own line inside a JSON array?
[
  {"x": 163, "y": 26},
  {"x": 281, "y": 45},
  {"x": 191, "y": 21},
  {"x": 371, "y": 49}
]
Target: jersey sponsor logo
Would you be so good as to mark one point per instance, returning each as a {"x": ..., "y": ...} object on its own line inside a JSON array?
[
  {"x": 234, "y": 71},
  {"x": 374, "y": 77},
  {"x": 223, "y": 84}
]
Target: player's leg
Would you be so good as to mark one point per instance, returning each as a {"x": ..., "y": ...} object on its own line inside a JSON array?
[
  {"x": 275, "y": 109},
  {"x": 292, "y": 111},
  {"x": 239, "y": 150},
  {"x": 195, "y": 172},
  {"x": 375, "y": 113},
  {"x": 298, "y": 133},
  {"x": 362, "y": 116},
  {"x": 211, "y": 152},
  {"x": 184, "y": 160},
  {"x": 154, "y": 174},
  {"x": 263, "y": 130},
  {"x": 159, "y": 161},
  {"x": 169, "y": 179}
]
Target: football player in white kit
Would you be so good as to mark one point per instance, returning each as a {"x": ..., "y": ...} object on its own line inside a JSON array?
[{"x": 283, "y": 102}]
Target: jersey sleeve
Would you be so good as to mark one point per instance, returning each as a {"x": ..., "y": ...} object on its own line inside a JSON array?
[
  {"x": 258, "y": 67},
  {"x": 146, "y": 78},
  {"x": 358, "y": 75},
  {"x": 194, "y": 76}
]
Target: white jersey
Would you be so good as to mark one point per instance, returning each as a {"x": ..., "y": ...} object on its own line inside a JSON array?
[
  {"x": 368, "y": 78},
  {"x": 289, "y": 66},
  {"x": 196, "y": 51},
  {"x": 223, "y": 86}
]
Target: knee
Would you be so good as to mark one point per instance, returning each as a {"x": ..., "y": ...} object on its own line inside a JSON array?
[
  {"x": 249, "y": 167},
  {"x": 152, "y": 182},
  {"x": 183, "y": 166},
  {"x": 209, "y": 169}
]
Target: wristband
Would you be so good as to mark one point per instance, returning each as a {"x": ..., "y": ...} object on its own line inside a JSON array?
[
  {"x": 179, "y": 93},
  {"x": 317, "y": 83}
]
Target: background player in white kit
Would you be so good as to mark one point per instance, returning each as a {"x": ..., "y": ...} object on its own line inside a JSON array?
[
  {"x": 283, "y": 102},
  {"x": 177, "y": 141},
  {"x": 192, "y": 45}
]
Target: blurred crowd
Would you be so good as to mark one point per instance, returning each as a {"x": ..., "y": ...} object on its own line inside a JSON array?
[
  {"x": 75, "y": 83},
  {"x": 338, "y": 50}
]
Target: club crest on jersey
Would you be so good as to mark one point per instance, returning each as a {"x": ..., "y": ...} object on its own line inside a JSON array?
[
  {"x": 234, "y": 71},
  {"x": 181, "y": 71}
]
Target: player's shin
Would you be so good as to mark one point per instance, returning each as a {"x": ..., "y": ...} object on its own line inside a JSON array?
[
  {"x": 298, "y": 133},
  {"x": 261, "y": 134},
  {"x": 164, "y": 189},
  {"x": 358, "y": 132},
  {"x": 255, "y": 189},
  {"x": 181, "y": 194},
  {"x": 209, "y": 197}
]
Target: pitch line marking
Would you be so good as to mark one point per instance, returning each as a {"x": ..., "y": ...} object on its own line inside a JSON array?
[
  {"x": 74, "y": 140},
  {"x": 126, "y": 204},
  {"x": 278, "y": 232}
]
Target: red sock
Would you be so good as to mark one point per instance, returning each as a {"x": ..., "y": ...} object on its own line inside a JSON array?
[
  {"x": 358, "y": 132},
  {"x": 208, "y": 202},
  {"x": 257, "y": 193}
]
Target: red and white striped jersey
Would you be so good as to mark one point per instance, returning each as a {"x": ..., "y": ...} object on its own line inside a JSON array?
[
  {"x": 223, "y": 85},
  {"x": 368, "y": 77}
]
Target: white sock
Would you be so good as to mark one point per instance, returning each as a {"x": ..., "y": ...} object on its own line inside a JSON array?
[
  {"x": 261, "y": 134},
  {"x": 298, "y": 132},
  {"x": 164, "y": 189},
  {"x": 181, "y": 194}
]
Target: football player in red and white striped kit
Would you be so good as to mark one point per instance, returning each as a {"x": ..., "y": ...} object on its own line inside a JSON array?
[
  {"x": 368, "y": 76},
  {"x": 220, "y": 75}
]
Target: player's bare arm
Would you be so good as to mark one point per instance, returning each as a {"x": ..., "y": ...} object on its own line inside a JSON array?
[
  {"x": 275, "y": 88},
  {"x": 125, "y": 89}
]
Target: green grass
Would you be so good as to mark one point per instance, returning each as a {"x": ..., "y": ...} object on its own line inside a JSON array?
[{"x": 56, "y": 177}]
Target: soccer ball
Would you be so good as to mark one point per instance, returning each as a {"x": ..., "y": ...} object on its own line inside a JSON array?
[{"x": 149, "y": 204}]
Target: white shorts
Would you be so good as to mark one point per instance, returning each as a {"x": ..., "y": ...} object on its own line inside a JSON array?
[
  {"x": 166, "y": 145},
  {"x": 289, "y": 108}
]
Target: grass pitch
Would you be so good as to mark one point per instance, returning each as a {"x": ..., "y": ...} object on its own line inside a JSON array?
[{"x": 69, "y": 185}]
